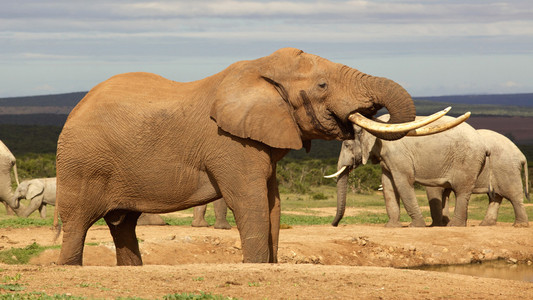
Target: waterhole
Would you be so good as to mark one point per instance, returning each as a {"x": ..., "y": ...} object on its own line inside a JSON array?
[{"x": 493, "y": 269}]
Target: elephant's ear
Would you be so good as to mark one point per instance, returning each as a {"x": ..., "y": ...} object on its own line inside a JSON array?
[
  {"x": 368, "y": 142},
  {"x": 34, "y": 189},
  {"x": 251, "y": 106}
]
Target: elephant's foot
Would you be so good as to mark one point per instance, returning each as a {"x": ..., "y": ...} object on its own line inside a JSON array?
[
  {"x": 445, "y": 220},
  {"x": 417, "y": 223},
  {"x": 393, "y": 224},
  {"x": 437, "y": 224},
  {"x": 487, "y": 223},
  {"x": 457, "y": 223},
  {"x": 223, "y": 224},
  {"x": 199, "y": 223},
  {"x": 521, "y": 224}
]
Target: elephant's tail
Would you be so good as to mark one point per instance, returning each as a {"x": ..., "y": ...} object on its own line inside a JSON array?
[
  {"x": 57, "y": 226},
  {"x": 489, "y": 168},
  {"x": 526, "y": 177}
]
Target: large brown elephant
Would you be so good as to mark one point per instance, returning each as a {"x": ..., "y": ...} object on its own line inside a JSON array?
[{"x": 137, "y": 142}]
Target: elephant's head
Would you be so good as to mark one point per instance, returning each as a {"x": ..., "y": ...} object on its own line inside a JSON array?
[
  {"x": 27, "y": 190},
  {"x": 20, "y": 193},
  {"x": 290, "y": 97}
]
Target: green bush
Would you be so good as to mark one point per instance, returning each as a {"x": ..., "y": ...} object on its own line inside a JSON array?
[
  {"x": 365, "y": 179},
  {"x": 32, "y": 165}
]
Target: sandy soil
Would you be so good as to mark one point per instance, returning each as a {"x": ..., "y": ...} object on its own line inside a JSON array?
[{"x": 316, "y": 262}]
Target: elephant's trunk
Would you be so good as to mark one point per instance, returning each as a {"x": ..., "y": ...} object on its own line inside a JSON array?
[
  {"x": 342, "y": 185},
  {"x": 389, "y": 94}
]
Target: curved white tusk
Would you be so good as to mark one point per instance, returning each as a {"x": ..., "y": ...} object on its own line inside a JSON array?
[
  {"x": 368, "y": 124},
  {"x": 427, "y": 130},
  {"x": 339, "y": 172}
]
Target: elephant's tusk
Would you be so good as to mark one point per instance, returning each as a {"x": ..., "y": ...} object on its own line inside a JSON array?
[
  {"x": 339, "y": 172},
  {"x": 370, "y": 125},
  {"x": 427, "y": 130}
]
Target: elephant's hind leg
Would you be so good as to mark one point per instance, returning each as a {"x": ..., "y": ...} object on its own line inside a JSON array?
[
  {"x": 491, "y": 217},
  {"x": 122, "y": 225}
]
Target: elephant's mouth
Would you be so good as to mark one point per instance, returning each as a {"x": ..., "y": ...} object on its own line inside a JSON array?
[{"x": 345, "y": 127}]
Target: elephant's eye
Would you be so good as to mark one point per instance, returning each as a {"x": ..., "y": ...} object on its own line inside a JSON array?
[{"x": 323, "y": 85}]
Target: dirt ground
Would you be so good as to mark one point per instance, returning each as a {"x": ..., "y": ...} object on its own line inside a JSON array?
[{"x": 315, "y": 262}]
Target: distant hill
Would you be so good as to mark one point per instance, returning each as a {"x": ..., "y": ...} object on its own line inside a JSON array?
[
  {"x": 509, "y": 114},
  {"x": 70, "y": 99},
  {"x": 496, "y": 99}
]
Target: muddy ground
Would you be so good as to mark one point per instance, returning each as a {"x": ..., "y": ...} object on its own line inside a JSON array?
[{"x": 316, "y": 262}]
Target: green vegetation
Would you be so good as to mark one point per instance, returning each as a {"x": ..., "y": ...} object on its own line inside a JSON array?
[
  {"x": 43, "y": 296},
  {"x": 22, "y": 139},
  {"x": 425, "y": 107},
  {"x": 201, "y": 296},
  {"x": 37, "y": 295},
  {"x": 20, "y": 256}
]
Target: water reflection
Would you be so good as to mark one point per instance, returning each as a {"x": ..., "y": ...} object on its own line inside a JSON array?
[{"x": 493, "y": 269}]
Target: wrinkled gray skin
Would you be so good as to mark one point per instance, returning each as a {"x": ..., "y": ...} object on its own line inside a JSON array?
[
  {"x": 504, "y": 171},
  {"x": 40, "y": 192},
  {"x": 221, "y": 210},
  {"x": 450, "y": 159},
  {"x": 7, "y": 162}
]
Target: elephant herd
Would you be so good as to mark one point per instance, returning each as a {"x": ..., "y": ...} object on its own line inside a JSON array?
[
  {"x": 462, "y": 159},
  {"x": 139, "y": 143}
]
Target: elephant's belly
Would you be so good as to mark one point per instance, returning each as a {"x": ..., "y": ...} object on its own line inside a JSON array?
[
  {"x": 175, "y": 193},
  {"x": 434, "y": 182}
]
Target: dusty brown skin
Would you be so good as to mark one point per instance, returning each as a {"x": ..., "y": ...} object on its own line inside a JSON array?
[{"x": 142, "y": 143}]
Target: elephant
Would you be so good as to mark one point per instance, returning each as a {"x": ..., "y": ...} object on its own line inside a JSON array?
[
  {"x": 502, "y": 173},
  {"x": 40, "y": 192},
  {"x": 451, "y": 159},
  {"x": 221, "y": 210},
  {"x": 139, "y": 142},
  {"x": 7, "y": 162}
]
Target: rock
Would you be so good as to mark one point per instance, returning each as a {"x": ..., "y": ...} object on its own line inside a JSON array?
[{"x": 150, "y": 219}]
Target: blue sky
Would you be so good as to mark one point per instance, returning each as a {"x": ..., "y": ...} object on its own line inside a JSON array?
[{"x": 432, "y": 47}]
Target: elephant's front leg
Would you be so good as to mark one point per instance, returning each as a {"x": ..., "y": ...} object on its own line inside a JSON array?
[
  {"x": 252, "y": 215},
  {"x": 42, "y": 210},
  {"x": 35, "y": 204},
  {"x": 406, "y": 191},
  {"x": 275, "y": 217},
  {"x": 392, "y": 200}
]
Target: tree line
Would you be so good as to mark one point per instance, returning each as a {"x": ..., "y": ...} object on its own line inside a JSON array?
[{"x": 35, "y": 148}]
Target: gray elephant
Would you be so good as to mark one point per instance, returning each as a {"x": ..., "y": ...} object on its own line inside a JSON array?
[
  {"x": 502, "y": 172},
  {"x": 7, "y": 162},
  {"x": 138, "y": 142},
  {"x": 40, "y": 192},
  {"x": 221, "y": 211},
  {"x": 451, "y": 159}
]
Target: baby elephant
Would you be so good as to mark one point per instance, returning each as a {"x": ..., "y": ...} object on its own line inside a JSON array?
[{"x": 39, "y": 192}]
